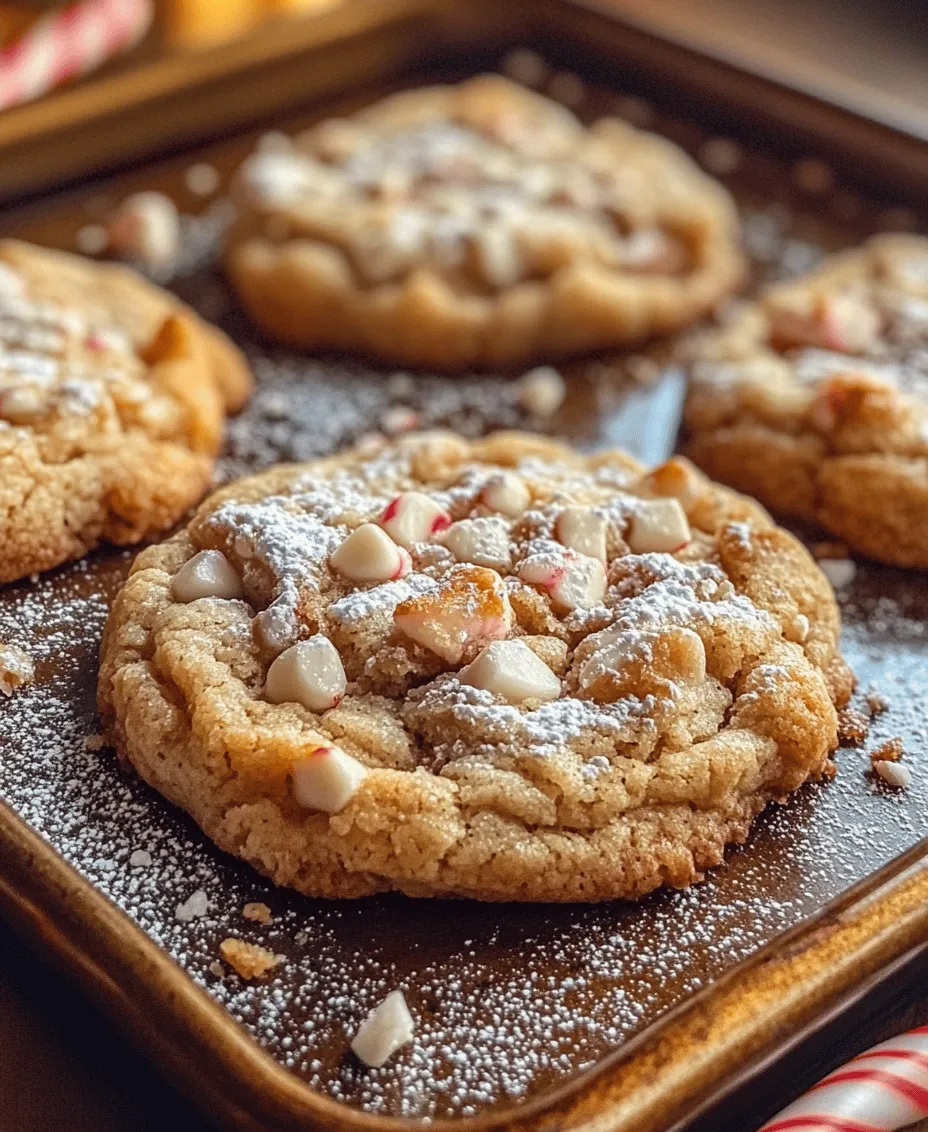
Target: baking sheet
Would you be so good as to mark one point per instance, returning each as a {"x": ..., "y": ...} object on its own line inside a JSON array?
[{"x": 509, "y": 1002}]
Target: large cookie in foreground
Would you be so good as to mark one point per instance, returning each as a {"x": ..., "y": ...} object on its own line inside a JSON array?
[
  {"x": 494, "y": 669},
  {"x": 112, "y": 402},
  {"x": 479, "y": 225},
  {"x": 815, "y": 400}
]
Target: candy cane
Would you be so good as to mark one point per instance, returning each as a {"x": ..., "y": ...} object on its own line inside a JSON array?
[
  {"x": 68, "y": 42},
  {"x": 882, "y": 1090}
]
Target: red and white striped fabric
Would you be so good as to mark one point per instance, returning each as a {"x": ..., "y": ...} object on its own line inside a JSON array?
[
  {"x": 882, "y": 1090},
  {"x": 68, "y": 42}
]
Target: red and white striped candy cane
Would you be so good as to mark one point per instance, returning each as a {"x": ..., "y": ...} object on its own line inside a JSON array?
[
  {"x": 882, "y": 1090},
  {"x": 68, "y": 42}
]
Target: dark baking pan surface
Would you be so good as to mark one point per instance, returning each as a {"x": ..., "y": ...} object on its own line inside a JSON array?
[{"x": 510, "y": 1002}]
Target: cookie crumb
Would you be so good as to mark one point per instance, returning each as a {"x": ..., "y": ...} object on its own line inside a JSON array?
[
  {"x": 217, "y": 969},
  {"x": 248, "y": 959},
  {"x": 91, "y": 239},
  {"x": 894, "y": 774},
  {"x": 542, "y": 391},
  {"x": 812, "y": 175},
  {"x": 258, "y": 912},
  {"x": 397, "y": 419},
  {"x": 94, "y": 742},
  {"x": 853, "y": 727},
  {"x": 634, "y": 110},
  {"x": 877, "y": 703},
  {"x": 721, "y": 155},
  {"x": 140, "y": 859},
  {"x": 146, "y": 228},
  {"x": 202, "y": 179},
  {"x": 301, "y": 938},
  {"x": 839, "y": 571},
  {"x": 890, "y": 752},
  {"x": 383, "y": 1031},
  {"x": 16, "y": 668},
  {"x": 193, "y": 907},
  {"x": 526, "y": 67}
]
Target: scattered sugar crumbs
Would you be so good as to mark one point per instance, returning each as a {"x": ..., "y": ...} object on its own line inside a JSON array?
[
  {"x": 249, "y": 960},
  {"x": 580, "y": 981},
  {"x": 16, "y": 668},
  {"x": 853, "y": 727}
]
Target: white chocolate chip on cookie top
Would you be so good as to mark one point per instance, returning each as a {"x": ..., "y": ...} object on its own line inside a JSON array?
[{"x": 491, "y": 668}]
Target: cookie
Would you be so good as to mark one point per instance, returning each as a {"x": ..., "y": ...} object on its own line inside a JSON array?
[
  {"x": 815, "y": 399},
  {"x": 491, "y": 669},
  {"x": 112, "y": 401},
  {"x": 478, "y": 225}
]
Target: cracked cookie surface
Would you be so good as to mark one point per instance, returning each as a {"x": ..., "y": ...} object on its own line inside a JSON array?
[
  {"x": 112, "y": 401},
  {"x": 492, "y": 669},
  {"x": 478, "y": 224},
  {"x": 815, "y": 399}
]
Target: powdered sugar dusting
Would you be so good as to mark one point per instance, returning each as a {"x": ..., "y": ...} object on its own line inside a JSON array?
[
  {"x": 576, "y": 983},
  {"x": 507, "y": 1001}
]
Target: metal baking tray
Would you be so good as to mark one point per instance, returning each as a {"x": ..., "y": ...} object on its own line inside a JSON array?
[{"x": 619, "y": 1016}]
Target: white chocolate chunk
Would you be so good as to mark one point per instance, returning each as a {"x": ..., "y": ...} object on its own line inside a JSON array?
[
  {"x": 20, "y": 405},
  {"x": 413, "y": 517},
  {"x": 368, "y": 554},
  {"x": 659, "y": 526},
  {"x": 484, "y": 542},
  {"x": 469, "y": 606},
  {"x": 507, "y": 494},
  {"x": 326, "y": 779},
  {"x": 146, "y": 227},
  {"x": 582, "y": 530},
  {"x": 308, "y": 673},
  {"x": 277, "y": 178},
  {"x": 388, "y": 1027},
  {"x": 207, "y": 574},
  {"x": 893, "y": 773},
  {"x": 574, "y": 581},
  {"x": 542, "y": 391},
  {"x": 510, "y": 669},
  {"x": 845, "y": 323},
  {"x": 839, "y": 571}
]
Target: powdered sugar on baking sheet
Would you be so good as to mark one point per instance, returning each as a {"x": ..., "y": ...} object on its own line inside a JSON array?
[
  {"x": 577, "y": 983},
  {"x": 507, "y": 1001}
]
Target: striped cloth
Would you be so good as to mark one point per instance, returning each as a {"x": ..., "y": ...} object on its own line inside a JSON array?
[
  {"x": 882, "y": 1090},
  {"x": 68, "y": 42}
]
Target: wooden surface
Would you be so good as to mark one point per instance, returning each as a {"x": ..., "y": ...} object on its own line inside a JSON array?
[{"x": 64, "y": 1064}]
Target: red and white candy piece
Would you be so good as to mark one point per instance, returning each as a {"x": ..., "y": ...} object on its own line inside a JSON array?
[
  {"x": 510, "y": 669},
  {"x": 882, "y": 1090},
  {"x": 507, "y": 494},
  {"x": 207, "y": 574},
  {"x": 470, "y": 606},
  {"x": 146, "y": 227},
  {"x": 413, "y": 517},
  {"x": 582, "y": 530},
  {"x": 484, "y": 542},
  {"x": 368, "y": 554},
  {"x": 845, "y": 323},
  {"x": 574, "y": 581},
  {"x": 388, "y": 1027},
  {"x": 659, "y": 526},
  {"x": 308, "y": 673},
  {"x": 326, "y": 779}
]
